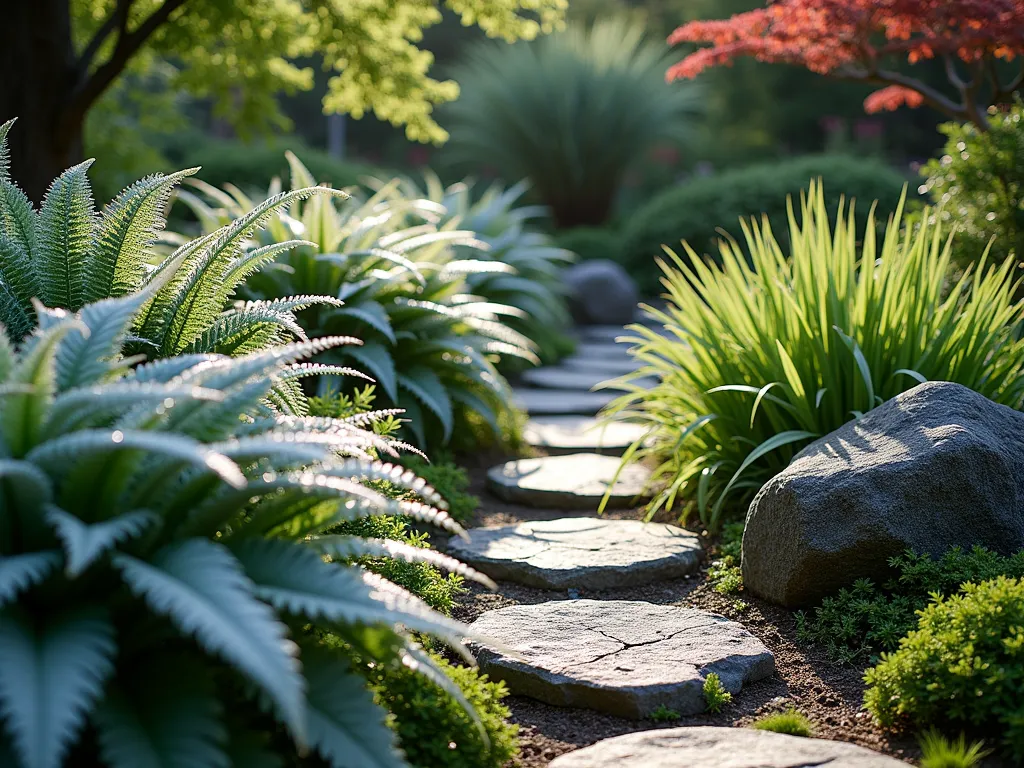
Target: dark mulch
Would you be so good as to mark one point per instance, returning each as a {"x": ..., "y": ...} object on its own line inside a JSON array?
[{"x": 827, "y": 693}]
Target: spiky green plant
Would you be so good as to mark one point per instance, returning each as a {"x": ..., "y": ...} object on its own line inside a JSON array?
[
  {"x": 533, "y": 283},
  {"x": 571, "y": 112},
  {"x": 67, "y": 255},
  {"x": 163, "y": 576},
  {"x": 775, "y": 349},
  {"x": 430, "y": 343}
]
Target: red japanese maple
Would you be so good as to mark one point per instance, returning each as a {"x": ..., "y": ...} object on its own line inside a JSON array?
[{"x": 854, "y": 39}]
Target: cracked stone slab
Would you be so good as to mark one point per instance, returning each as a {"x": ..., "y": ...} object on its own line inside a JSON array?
[
  {"x": 564, "y": 377},
  {"x": 576, "y": 481},
  {"x": 580, "y": 552},
  {"x": 553, "y": 402},
  {"x": 570, "y": 434},
  {"x": 710, "y": 747},
  {"x": 623, "y": 657}
]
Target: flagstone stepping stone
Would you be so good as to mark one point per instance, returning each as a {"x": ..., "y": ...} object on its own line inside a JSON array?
[
  {"x": 554, "y": 402},
  {"x": 564, "y": 377},
  {"x": 576, "y": 481},
  {"x": 709, "y": 747},
  {"x": 608, "y": 366},
  {"x": 572, "y": 434},
  {"x": 602, "y": 351},
  {"x": 623, "y": 657},
  {"x": 580, "y": 552},
  {"x": 603, "y": 333}
]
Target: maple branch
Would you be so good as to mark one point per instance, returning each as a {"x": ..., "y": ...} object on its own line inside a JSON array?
[
  {"x": 932, "y": 96},
  {"x": 92, "y": 86},
  {"x": 117, "y": 20}
]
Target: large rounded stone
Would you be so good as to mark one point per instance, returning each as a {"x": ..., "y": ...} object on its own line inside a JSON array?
[
  {"x": 601, "y": 291},
  {"x": 580, "y": 552},
  {"x": 708, "y": 747},
  {"x": 547, "y": 402},
  {"x": 574, "y": 434},
  {"x": 623, "y": 657},
  {"x": 935, "y": 467},
  {"x": 576, "y": 481}
]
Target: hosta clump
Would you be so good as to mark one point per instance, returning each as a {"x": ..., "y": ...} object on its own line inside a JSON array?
[
  {"x": 430, "y": 344},
  {"x": 163, "y": 578},
  {"x": 774, "y": 348},
  {"x": 67, "y": 255},
  {"x": 531, "y": 281}
]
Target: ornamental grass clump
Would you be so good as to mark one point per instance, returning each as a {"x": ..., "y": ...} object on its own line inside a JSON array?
[{"x": 774, "y": 348}]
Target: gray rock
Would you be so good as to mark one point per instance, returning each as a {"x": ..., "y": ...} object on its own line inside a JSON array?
[
  {"x": 547, "y": 402},
  {"x": 935, "y": 467},
  {"x": 580, "y": 552},
  {"x": 623, "y": 657},
  {"x": 564, "y": 377},
  {"x": 708, "y": 747},
  {"x": 576, "y": 481},
  {"x": 601, "y": 292},
  {"x": 573, "y": 434}
]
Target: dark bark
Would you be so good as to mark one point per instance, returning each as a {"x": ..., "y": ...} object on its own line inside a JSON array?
[{"x": 39, "y": 73}]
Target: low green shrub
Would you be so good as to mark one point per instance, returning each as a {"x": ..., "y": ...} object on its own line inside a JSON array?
[
  {"x": 963, "y": 667},
  {"x": 978, "y": 182},
  {"x": 865, "y": 618},
  {"x": 663, "y": 715},
  {"x": 778, "y": 347},
  {"x": 939, "y": 752},
  {"x": 790, "y": 722},
  {"x": 450, "y": 480},
  {"x": 698, "y": 209},
  {"x": 715, "y": 695}
]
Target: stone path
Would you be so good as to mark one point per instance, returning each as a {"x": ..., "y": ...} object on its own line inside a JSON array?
[
  {"x": 627, "y": 658},
  {"x": 576, "y": 481},
  {"x": 707, "y": 747},
  {"x": 622, "y": 657},
  {"x": 580, "y": 434},
  {"x": 581, "y": 552}
]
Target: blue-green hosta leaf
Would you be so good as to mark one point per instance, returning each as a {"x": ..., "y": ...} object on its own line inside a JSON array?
[
  {"x": 83, "y": 543},
  {"x": 5, "y": 151},
  {"x": 19, "y": 572},
  {"x": 377, "y": 359},
  {"x": 204, "y": 591},
  {"x": 295, "y": 579},
  {"x": 346, "y": 727},
  {"x": 169, "y": 367},
  {"x": 371, "y": 313},
  {"x": 166, "y": 716},
  {"x": 425, "y": 385},
  {"x": 126, "y": 229},
  {"x": 51, "y": 673},
  {"x": 13, "y": 316},
  {"x": 60, "y": 451},
  {"x": 67, "y": 223}
]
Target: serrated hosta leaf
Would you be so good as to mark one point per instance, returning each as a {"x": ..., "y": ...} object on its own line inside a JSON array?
[
  {"x": 395, "y": 474},
  {"x": 169, "y": 367},
  {"x": 302, "y": 370},
  {"x": 67, "y": 222},
  {"x": 18, "y": 224},
  {"x": 251, "y": 262},
  {"x": 296, "y": 580},
  {"x": 60, "y": 451},
  {"x": 246, "y": 329},
  {"x": 126, "y": 229},
  {"x": 12, "y": 314},
  {"x": 5, "y": 151},
  {"x": 19, "y": 572},
  {"x": 20, "y": 274},
  {"x": 51, "y": 673},
  {"x": 202, "y": 588},
  {"x": 167, "y": 715},
  {"x": 347, "y": 547},
  {"x": 378, "y": 360},
  {"x": 371, "y": 313},
  {"x": 346, "y": 727},
  {"x": 83, "y": 543},
  {"x": 425, "y": 385}
]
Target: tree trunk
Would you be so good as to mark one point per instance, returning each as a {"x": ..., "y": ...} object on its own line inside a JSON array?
[{"x": 39, "y": 74}]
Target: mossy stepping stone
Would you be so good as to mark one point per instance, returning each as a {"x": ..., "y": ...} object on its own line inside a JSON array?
[
  {"x": 573, "y": 434},
  {"x": 709, "y": 747},
  {"x": 580, "y": 552},
  {"x": 554, "y": 402},
  {"x": 624, "y": 657},
  {"x": 576, "y": 481}
]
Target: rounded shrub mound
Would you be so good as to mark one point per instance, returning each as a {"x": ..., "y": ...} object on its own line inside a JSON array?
[
  {"x": 962, "y": 667},
  {"x": 697, "y": 210}
]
